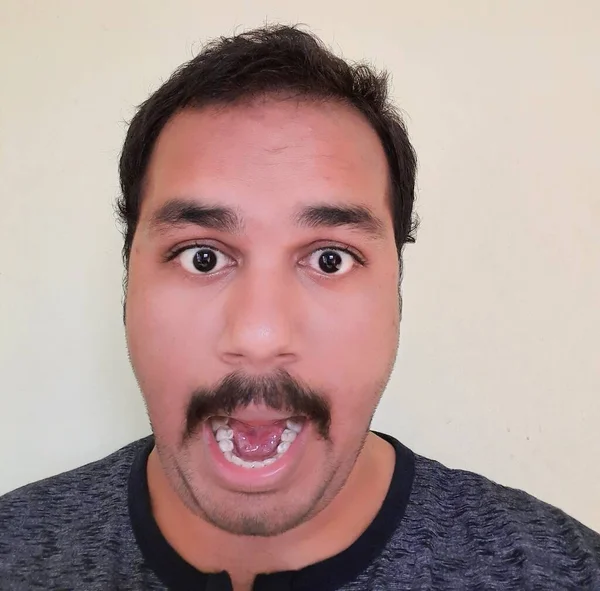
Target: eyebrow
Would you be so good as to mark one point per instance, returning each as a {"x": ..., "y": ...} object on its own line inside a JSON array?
[
  {"x": 359, "y": 217},
  {"x": 181, "y": 212}
]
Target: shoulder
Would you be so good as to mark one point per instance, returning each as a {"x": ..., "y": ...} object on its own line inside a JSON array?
[
  {"x": 464, "y": 491},
  {"x": 474, "y": 523},
  {"x": 57, "y": 521},
  {"x": 83, "y": 488}
]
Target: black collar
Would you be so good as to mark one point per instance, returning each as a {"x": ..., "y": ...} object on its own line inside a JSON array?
[{"x": 327, "y": 575}]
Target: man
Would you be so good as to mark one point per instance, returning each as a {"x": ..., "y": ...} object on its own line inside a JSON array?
[{"x": 268, "y": 192}]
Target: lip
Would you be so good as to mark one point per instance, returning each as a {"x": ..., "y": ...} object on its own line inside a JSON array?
[
  {"x": 260, "y": 415},
  {"x": 254, "y": 480}
]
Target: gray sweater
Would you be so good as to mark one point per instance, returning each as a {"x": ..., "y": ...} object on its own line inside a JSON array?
[{"x": 92, "y": 528}]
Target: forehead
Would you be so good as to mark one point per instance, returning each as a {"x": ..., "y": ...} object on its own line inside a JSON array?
[{"x": 271, "y": 155}]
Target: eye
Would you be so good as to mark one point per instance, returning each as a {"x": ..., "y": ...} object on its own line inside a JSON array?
[
  {"x": 332, "y": 261},
  {"x": 203, "y": 260}
]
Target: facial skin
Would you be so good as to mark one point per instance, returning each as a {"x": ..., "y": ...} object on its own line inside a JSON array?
[{"x": 268, "y": 306}]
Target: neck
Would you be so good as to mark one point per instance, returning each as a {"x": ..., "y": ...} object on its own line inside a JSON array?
[{"x": 210, "y": 549}]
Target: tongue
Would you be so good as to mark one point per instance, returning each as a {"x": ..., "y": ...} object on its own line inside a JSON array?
[{"x": 257, "y": 441}]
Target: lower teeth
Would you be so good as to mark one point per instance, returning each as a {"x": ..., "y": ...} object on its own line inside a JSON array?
[
  {"x": 244, "y": 464},
  {"x": 225, "y": 443}
]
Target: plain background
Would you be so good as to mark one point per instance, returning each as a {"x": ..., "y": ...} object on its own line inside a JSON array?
[{"x": 499, "y": 363}]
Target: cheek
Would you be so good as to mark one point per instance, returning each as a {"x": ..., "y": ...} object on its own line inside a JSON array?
[
  {"x": 167, "y": 336},
  {"x": 355, "y": 350},
  {"x": 168, "y": 322},
  {"x": 360, "y": 332}
]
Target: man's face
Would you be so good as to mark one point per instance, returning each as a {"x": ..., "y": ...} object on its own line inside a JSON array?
[{"x": 264, "y": 256}]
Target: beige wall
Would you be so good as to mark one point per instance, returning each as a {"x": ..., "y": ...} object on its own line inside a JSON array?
[{"x": 499, "y": 364}]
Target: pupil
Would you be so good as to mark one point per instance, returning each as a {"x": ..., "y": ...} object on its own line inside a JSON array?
[
  {"x": 205, "y": 260},
  {"x": 330, "y": 261}
]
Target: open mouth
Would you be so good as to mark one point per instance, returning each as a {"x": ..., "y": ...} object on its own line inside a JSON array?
[{"x": 255, "y": 445}]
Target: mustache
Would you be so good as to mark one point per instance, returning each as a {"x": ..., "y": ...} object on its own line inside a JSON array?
[{"x": 280, "y": 392}]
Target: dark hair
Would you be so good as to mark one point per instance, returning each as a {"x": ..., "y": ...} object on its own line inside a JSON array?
[{"x": 273, "y": 59}]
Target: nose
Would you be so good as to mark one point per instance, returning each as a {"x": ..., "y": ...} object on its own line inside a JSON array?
[{"x": 259, "y": 333}]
